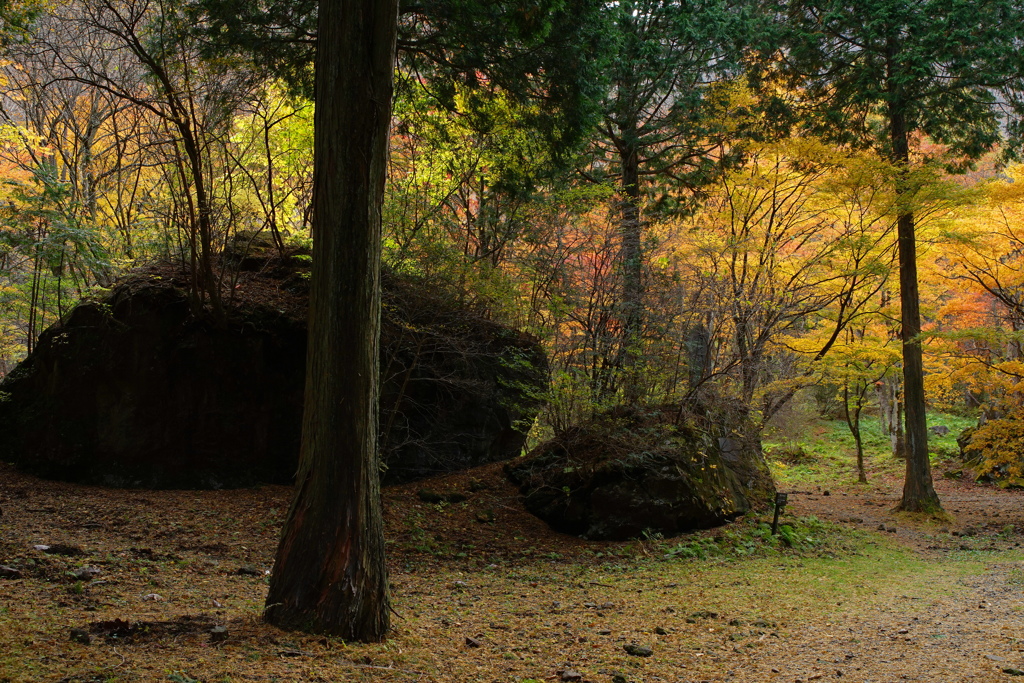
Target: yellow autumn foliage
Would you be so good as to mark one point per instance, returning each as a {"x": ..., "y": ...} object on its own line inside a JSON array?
[{"x": 1000, "y": 445}]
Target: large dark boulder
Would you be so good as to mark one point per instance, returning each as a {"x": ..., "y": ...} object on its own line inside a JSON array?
[
  {"x": 135, "y": 390},
  {"x": 646, "y": 469}
]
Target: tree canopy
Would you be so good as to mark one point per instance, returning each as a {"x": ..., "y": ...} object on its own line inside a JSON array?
[{"x": 550, "y": 52}]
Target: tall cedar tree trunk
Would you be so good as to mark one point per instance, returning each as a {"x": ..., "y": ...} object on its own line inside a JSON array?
[
  {"x": 329, "y": 576},
  {"x": 918, "y": 491},
  {"x": 631, "y": 256}
]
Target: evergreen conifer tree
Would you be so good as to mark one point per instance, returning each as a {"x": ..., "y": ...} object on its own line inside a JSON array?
[{"x": 882, "y": 73}]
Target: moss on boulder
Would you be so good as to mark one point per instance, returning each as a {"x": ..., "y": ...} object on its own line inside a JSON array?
[{"x": 632, "y": 471}]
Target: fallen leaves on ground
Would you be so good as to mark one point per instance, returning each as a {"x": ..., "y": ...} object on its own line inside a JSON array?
[{"x": 169, "y": 586}]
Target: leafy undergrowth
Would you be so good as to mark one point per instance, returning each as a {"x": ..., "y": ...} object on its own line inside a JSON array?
[
  {"x": 169, "y": 586},
  {"x": 816, "y": 450},
  {"x": 807, "y": 536}
]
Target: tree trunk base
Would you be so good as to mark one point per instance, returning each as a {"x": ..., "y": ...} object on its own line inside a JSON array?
[{"x": 930, "y": 506}]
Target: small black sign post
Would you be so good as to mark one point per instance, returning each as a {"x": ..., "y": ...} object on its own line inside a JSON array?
[{"x": 780, "y": 502}]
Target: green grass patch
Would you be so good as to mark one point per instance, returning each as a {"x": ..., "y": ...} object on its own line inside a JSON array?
[
  {"x": 754, "y": 538},
  {"x": 831, "y": 573},
  {"x": 820, "y": 450}
]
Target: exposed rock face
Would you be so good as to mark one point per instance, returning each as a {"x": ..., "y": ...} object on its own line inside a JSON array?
[
  {"x": 136, "y": 391},
  {"x": 457, "y": 390},
  {"x": 636, "y": 470}
]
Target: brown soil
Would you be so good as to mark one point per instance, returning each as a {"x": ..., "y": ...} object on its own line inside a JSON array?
[{"x": 485, "y": 592}]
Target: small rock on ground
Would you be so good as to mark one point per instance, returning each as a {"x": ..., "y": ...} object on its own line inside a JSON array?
[{"x": 80, "y": 635}]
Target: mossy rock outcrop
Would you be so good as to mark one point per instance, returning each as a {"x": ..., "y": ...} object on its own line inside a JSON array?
[
  {"x": 135, "y": 390},
  {"x": 640, "y": 470}
]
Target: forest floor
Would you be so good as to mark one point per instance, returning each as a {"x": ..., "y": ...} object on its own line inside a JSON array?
[{"x": 482, "y": 591}]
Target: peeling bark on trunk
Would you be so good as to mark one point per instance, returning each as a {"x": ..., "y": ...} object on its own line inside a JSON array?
[
  {"x": 329, "y": 575},
  {"x": 698, "y": 357},
  {"x": 890, "y": 406}
]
